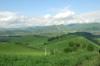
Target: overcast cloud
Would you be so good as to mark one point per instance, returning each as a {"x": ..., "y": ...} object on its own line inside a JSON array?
[{"x": 11, "y": 20}]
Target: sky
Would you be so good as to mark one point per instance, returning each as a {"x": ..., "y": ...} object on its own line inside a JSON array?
[{"x": 29, "y": 13}]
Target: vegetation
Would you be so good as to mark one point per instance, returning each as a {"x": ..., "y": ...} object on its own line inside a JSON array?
[
  {"x": 68, "y": 49},
  {"x": 72, "y": 59},
  {"x": 90, "y": 27},
  {"x": 90, "y": 47},
  {"x": 62, "y": 50}
]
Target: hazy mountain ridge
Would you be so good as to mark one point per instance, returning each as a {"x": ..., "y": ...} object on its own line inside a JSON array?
[{"x": 54, "y": 28}]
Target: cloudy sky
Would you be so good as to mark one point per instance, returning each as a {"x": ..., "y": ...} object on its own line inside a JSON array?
[{"x": 28, "y": 13}]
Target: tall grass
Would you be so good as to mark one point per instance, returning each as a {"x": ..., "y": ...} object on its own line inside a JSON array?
[{"x": 71, "y": 59}]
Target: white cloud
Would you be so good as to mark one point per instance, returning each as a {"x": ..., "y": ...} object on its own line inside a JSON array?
[
  {"x": 59, "y": 10},
  {"x": 93, "y": 16},
  {"x": 47, "y": 16},
  {"x": 64, "y": 17},
  {"x": 7, "y": 13}
]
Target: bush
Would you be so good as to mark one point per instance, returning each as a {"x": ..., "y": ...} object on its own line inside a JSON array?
[
  {"x": 90, "y": 47},
  {"x": 71, "y": 44},
  {"x": 66, "y": 50},
  {"x": 52, "y": 52},
  {"x": 84, "y": 46},
  {"x": 74, "y": 48},
  {"x": 77, "y": 44},
  {"x": 45, "y": 43}
]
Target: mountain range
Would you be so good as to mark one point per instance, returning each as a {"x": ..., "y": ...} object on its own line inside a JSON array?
[{"x": 84, "y": 27}]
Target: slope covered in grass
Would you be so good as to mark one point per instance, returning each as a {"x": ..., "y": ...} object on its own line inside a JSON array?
[
  {"x": 61, "y": 43},
  {"x": 71, "y": 59},
  {"x": 25, "y": 55},
  {"x": 13, "y": 49},
  {"x": 30, "y": 39}
]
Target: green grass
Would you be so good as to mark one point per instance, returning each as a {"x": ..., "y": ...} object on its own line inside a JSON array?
[
  {"x": 31, "y": 39},
  {"x": 33, "y": 54},
  {"x": 94, "y": 61},
  {"x": 71, "y": 59},
  {"x": 13, "y": 49},
  {"x": 60, "y": 44},
  {"x": 28, "y": 39}
]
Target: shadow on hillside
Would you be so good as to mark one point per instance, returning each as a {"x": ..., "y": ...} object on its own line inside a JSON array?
[{"x": 89, "y": 36}]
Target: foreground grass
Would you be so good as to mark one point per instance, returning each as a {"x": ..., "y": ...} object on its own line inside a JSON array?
[
  {"x": 70, "y": 59},
  {"x": 94, "y": 61}
]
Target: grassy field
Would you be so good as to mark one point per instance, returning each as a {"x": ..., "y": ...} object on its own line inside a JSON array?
[
  {"x": 33, "y": 54},
  {"x": 71, "y": 59},
  {"x": 32, "y": 40},
  {"x": 13, "y": 49},
  {"x": 62, "y": 43}
]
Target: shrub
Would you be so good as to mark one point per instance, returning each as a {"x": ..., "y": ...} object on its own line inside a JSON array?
[
  {"x": 52, "y": 52},
  {"x": 45, "y": 43},
  {"x": 84, "y": 46},
  {"x": 77, "y": 44},
  {"x": 74, "y": 48},
  {"x": 66, "y": 50},
  {"x": 71, "y": 44},
  {"x": 90, "y": 47}
]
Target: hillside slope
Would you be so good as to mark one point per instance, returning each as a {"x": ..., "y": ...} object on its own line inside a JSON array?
[
  {"x": 86, "y": 27},
  {"x": 54, "y": 28},
  {"x": 14, "y": 49},
  {"x": 60, "y": 44}
]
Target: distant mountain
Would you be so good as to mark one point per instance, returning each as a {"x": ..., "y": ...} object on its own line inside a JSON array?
[
  {"x": 54, "y": 28},
  {"x": 86, "y": 27},
  {"x": 71, "y": 27},
  {"x": 1, "y": 29}
]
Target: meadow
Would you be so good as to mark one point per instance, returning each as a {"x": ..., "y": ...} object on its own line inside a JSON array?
[
  {"x": 29, "y": 50},
  {"x": 71, "y": 59}
]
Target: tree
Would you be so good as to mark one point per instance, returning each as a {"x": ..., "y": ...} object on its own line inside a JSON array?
[
  {"x": 27, "y": 44},
  {"x": 84, "y": 46},
  {"x": 74, "y": 48},
  {"x": 68, "y": 49},
  {"x": 77, "y": 44},
  {"x": 52, "y": 52},
  {"x": 45, "y": 43},
  {"x": 71, "y": 44},
  {"x": 90, "y": 47}
]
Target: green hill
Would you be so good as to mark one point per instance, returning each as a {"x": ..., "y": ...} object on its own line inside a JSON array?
[
  {"x": 13, "y": 49},
  {"x": 86, "y": 27},
  {"x": 50, "y": 29},
  {"x": 21, "y": 54},
  {"x": 60, "y": 44},
  {"x": 31, "y": 39},
  {"x": 37, "y": 41}
]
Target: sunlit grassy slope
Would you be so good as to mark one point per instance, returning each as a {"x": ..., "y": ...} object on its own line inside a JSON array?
[
  {"x": 60, "y": 44},
  {"x": 12, "y": 54},
  {"x": 13, "y": 49},
  {"x": 31, "y": 39},
  {"x": 38, "y": 44}
]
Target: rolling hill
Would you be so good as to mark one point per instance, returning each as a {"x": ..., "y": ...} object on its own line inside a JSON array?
[
  {"x": 38, "y": 41},
  {"x": 86, "y": 27},
  {"x": 15, "y": 49},
  {"x": 20, "y": 53},
  {"x": 60, "y": 44}
]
